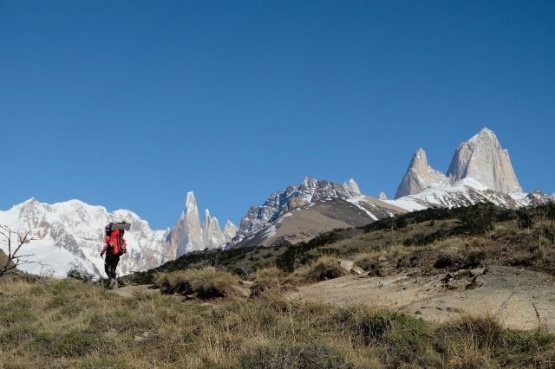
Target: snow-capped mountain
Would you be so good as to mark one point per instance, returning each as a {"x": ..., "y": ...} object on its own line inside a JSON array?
[
  {"x": 467, "y": 192},
  {"x": 481, "y": 158},
  {"x": 279, "y": 203},
  {"x": 188, "y": 234},
  {"x": 70, "y": 235},
  {"x": 301, "y": 212},
  {"x": 480, "y": 171}
]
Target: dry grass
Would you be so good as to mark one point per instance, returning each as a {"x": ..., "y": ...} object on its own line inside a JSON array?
[
  {"x": 70, "y": 324},
  {"x": 47, "y": 323},
  {"x": 326, "y": 267},
  {"x": 204, "y": 283},
  {"x": 268, "y": 282}
]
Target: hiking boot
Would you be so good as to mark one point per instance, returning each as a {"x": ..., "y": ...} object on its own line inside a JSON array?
[{"x": 113, "y": 283}]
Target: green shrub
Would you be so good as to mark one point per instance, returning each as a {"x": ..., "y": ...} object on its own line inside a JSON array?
[
  {"x": 265, "y": 287},
  {"x": 475, "y": 259},
  {"x": 446, "y": 260}
]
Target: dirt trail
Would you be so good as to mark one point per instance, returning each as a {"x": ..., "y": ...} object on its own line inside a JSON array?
[{"x": 518, "y": 299}]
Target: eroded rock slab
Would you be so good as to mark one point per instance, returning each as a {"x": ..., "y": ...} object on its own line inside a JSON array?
[{"x": 517, "y": 299}]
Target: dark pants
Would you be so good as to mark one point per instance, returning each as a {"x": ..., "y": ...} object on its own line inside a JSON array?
[{"x": 110, "y": 264}]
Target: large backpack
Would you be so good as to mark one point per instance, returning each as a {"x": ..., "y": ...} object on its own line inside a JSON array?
[
  {"x": 108, "y": 229},
  {"x": 118, "y": 247}
]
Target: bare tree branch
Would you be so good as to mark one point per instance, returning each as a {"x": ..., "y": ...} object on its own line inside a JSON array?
[{"x": 14, "y": 242}]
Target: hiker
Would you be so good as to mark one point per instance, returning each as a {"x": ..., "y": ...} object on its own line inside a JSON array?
[{"x": 114, "y": 247}]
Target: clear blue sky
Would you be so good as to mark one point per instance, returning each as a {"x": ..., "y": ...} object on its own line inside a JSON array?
[{"x": 131, "y": 104}]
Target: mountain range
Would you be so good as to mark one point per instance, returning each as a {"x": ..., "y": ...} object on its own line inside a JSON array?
[
  {"x": 480, "y": 158},
  {"x": 69, "y": 235}
]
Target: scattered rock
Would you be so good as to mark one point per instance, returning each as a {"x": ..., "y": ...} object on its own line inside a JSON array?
[
  {"x": 145, "y": 337},
  {"x": 347, "y": 264}
]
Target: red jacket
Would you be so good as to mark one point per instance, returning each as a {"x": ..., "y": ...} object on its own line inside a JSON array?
[{"x": 116, "y": 241}]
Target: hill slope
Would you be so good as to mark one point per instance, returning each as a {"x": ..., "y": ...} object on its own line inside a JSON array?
[{"x": 434, "y": 264}]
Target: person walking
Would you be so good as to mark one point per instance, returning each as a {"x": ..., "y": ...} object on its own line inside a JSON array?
[{"x": 114, "y": 246}]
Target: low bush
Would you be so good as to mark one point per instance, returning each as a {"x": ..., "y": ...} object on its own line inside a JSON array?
[
  {"x": 204, "y": 283},
  {"x": 267, "y": 282},
  {"x": 325, "y": 268}
]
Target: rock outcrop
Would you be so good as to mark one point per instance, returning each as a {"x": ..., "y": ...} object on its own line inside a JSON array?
[
  {"x": 212, "y": 234},
  {"x": 518, "y": 299},
  {"x": 188, "y": 234},
  {"x": 483, "y": 159},
  {"x": 230, "y": 230},
  {"x": 420, "y": 176}
]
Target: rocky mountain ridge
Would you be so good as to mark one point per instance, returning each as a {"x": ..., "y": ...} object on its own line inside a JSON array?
[
  {"x": 309, "y": 219},
  {"x": 481, "y": 158},
  {"x": 69, "y": 235},
  {"x": 480, "y": 171},
  {"x": 279, "y": 203}
]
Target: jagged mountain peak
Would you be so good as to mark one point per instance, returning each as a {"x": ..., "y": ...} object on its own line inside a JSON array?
[
  {"x": 310, "y": 191},
  {"x": 419, "y": 176},
  {"x": 483, "y": 159},
  {"x": 230, "y": 230},
  {"x": 485, "y": 136},
  {"x": 352, "y": 187},
  {"x": 189, "y": 234},
  {"x": 419, "y": 162},
  {"x": 70, "y": 234},
  {"x": 191, "y": 203},
  {"x": 419, "y": 156}
]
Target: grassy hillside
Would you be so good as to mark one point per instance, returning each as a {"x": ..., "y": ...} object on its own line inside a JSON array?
[
  {"x": 226, "y": 309},
  {"x": 71, "y": 324},
  {"x": 433, "y": 240}
]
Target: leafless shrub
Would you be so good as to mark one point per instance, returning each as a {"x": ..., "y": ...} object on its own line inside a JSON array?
[{"x": 14, "y": 242}]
